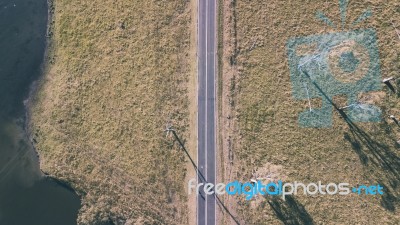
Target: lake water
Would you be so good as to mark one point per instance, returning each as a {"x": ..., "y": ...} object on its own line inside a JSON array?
[{"x": 26, "y": 196}]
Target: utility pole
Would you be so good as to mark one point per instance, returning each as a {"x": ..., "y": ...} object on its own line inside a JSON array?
[
  {"x": 170, "y": 129},
  {"x": 394, "y": 119},
  {"x": 389, "y": 84}
]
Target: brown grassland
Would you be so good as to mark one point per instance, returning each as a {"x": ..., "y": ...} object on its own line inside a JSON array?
[
  {"x": 259, "y": 116},
  {"x": 117, "y": 72}
]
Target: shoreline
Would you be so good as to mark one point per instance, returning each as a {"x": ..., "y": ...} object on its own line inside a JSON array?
[
  {"x": 35, "y": 85},
  {"x": 25, "y": 183},
  {"x": 31, "y": 98},
  {"x": 92, "y": 167}
]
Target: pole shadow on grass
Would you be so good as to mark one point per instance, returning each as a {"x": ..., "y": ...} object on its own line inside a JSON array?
[
  {"x": 398, "y": 87},
  {"x": 202, "y": 178},
  {"x": 290, "y": 211},
  {"x": 377, "y": 155}
]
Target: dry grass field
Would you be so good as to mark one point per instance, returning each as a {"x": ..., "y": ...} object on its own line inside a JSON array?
[
  {"x": 259, "y": 120},
  {"x": 118, "y": 71}
]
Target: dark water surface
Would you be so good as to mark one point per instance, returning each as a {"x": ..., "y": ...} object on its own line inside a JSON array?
[{"x": 26, "y": 196}]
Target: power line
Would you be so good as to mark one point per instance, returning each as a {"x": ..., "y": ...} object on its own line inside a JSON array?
[{"x": 170, "y": 129}]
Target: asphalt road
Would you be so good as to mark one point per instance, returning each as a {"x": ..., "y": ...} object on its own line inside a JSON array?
[{"x": 207, "y": 42}]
